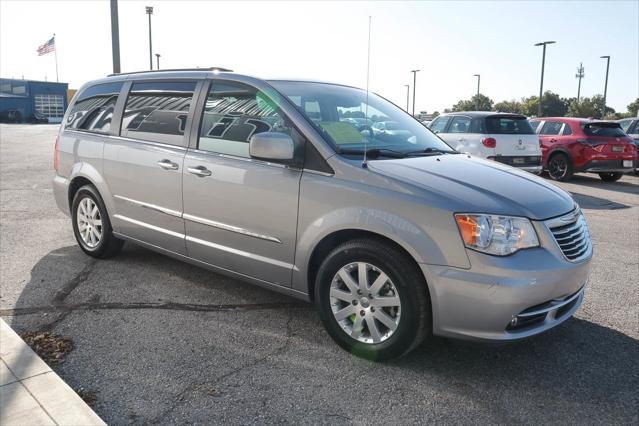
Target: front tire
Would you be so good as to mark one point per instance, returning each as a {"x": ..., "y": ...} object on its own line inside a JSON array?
[
  {"x": 373, "y": 300},
  {"x": 560, "y": 167},
  {"x": 610, "y": 177},
  {"x": 91, "y": 224}
]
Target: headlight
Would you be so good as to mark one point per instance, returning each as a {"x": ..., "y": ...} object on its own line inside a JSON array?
[{"x": 498, "y": 235}]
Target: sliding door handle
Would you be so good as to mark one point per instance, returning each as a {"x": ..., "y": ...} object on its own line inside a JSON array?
[{"x": 168, "y": 165}]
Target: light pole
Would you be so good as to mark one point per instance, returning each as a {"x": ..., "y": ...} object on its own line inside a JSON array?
[
  {"x": 580, "y": 74},
  {"x": 115, "y": 37},
  {"x": 478, "y": 80},
  {"x": 407, "y": 86},
  {"x": 157, "y": 56},
  {"x": 543, "y": 64},
  {"x": 414, "y": 87},
  {"x": 149, "y": 11},
  {"x": 607, "y": 58}
]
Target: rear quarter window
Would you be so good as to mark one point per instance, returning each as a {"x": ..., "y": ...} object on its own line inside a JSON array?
[
  {"x": 93, "y": 109},
  {"x": 508, "y": 126}
]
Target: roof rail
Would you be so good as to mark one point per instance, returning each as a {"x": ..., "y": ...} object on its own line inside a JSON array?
[{"x": 220, "y": 69}]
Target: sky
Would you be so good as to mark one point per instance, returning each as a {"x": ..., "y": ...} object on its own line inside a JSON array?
[{"x": 448, "y": 41}]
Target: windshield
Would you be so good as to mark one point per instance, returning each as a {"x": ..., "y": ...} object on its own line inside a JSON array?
[
  {"x": 352, "y": 125},
  {"x": 603, "y": 129},
  {"x": 509, "y": 126}
]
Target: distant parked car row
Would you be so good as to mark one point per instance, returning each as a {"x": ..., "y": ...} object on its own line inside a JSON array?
[{"x": 561, "y": 146}]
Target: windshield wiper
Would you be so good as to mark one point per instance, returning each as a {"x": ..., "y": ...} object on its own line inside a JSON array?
[
  {"x": 431, "y": 151},
  {"x": 372, "y": 152}
]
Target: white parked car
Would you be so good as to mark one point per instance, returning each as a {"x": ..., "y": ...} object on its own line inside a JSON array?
[{"x": 505, "y": 138}]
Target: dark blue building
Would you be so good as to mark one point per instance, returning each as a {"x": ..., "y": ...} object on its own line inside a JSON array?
[{"x": 28, "y": 101}]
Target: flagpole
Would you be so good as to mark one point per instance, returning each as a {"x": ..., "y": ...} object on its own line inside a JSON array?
[{"x": 55, "y": 50}]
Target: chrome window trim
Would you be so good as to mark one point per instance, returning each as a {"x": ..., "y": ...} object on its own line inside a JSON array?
[
  {"x": 158, "y": 144},
  {"x": 149, "y": 206},
  {"x": 228, "y": 227},
  {"x": 237, "y": 157}
]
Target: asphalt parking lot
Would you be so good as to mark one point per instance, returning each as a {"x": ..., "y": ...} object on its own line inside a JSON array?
[{"x": 160, "y": 341}]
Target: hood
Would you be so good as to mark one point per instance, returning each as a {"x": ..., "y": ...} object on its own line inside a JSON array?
[{"x": 474, "y": 185}]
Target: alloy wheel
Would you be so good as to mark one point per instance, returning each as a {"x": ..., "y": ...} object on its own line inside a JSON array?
[
  {"x": 558, "y": 167},
  {"x": 89, "y": 222},
  {"x": 365, "y": 302}
]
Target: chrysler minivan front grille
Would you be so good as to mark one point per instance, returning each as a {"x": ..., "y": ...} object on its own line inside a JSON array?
[{"x": 572, "y": 236}]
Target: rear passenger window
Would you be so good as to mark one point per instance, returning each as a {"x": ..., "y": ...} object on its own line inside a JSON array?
[
  {"x": 93, "y": 110},
  {"x": 157, "y": 111},
  {"x": 460, "y": 125},
  {"x": 567, "y": 130},
  {"x": 551, "y": 128},
  {"x": 233, "y": 113},
  {"x": 534, "y": 125},
  {"x": 439, "y": 124}
]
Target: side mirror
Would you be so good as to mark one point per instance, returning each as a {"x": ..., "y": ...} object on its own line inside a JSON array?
[{"x": 272, "y": 146}]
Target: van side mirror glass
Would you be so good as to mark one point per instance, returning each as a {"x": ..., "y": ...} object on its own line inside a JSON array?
[{"x": 272, "y": 146}]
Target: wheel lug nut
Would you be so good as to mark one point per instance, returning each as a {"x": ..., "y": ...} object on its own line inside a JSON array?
[
  {"x": 354, "y": 302},
  {"x": 372, "y": 308},
  {"x": 359, "y": 291},
  {"x": 362, "y": 312},
  {"x": 370, "y": 296}
]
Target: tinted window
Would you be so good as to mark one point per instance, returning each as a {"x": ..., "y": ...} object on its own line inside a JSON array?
[
  {"x": 534, "y": 124},
  {"x": 508, "y": 126},
  {"x": 625, "y": 124},
  {"x": 551, "y": 128},
  {"x": 234, "y": 112},
  {"x": 460, "y": 125},
  {"x": 157, "y": 111},
  {"x": 439, "y": 124},
  {"x": 93, "y": 109},
  {"x": 567, "y": 130},
  {"x": 603, "y": 129}
]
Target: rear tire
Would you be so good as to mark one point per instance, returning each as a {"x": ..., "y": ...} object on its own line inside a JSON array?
[
  {"x": 388, "y": 317},
  {"x": 610, "y": 177},
  {"x": 91, "y": 224},
  {"x": 560, "y": 167}
]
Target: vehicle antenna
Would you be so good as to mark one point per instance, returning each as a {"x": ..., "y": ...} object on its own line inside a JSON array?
[{"x": 368, "y": 70}]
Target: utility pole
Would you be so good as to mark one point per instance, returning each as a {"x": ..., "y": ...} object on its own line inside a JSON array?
[
  {"x": 407, "y": 86},
  {"x": 477, "y": 100},
  {"x": 607, "y": 58},
  {"x": 115, "y": 36},
  {"x": 543, "y": 64},
  {"x": 580, "y": 74},
  {"x": 157, "y": 56},
  {"x": 414, "y": 87},
  {"x": 149, "y": 11}
]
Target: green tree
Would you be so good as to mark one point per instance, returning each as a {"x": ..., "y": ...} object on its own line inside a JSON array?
[
  {"x": 591, "y": 107},
  {"x": 513, "y": 106},
  {"x": 529, "y": 106},
  {"x": 552, "y": 105},
  {"x": 435, "y": 114},
  {"x": 633, "y": 108},
  {"x": 478, "y": 102}
]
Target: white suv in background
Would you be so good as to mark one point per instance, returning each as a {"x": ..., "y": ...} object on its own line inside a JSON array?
[{"x": 505, "y": 138}]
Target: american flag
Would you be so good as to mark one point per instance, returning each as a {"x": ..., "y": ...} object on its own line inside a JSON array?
[{"x": 47, "y": 47}]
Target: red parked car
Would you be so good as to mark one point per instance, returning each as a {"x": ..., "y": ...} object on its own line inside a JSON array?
[{"x": 573, "y": 145}]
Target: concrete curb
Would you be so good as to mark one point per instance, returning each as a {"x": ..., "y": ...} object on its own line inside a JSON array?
[{"x": 31, "y": 393}]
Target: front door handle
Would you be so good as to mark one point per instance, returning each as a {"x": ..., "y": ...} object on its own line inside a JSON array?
[
  {"x": 167, "y": 165},
  {"x": 200, "y": 171}
]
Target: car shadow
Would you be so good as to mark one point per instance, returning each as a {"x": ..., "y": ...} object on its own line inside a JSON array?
[
  {"x": 596, "y": 203},
  {"x": 597, "y": 183}
]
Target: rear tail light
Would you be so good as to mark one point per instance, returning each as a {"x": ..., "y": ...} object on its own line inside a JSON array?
[
  {"x": 55, "y": 154},
  {"x": 489, "y": 142}
]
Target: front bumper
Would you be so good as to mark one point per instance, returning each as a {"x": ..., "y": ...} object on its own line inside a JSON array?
[{"x": 538, "y": 287}]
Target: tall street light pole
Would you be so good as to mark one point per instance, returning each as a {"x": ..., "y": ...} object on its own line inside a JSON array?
[
  {"x": 477, "y": 100},
  {"x": 607, "y": 58},
  {"x": 414, "y": 87},
  {"x": 157, "y": 56},
  {"x": 407, "y": 86},
  {"x": 115, "y": 37},
  {"x": 543, "y": 64},
  {"x": 580, "y": 74},
  {"x": 149, "y": 11}
]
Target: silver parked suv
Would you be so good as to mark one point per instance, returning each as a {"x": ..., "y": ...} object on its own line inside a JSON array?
[{"x": 389, "y": 231}]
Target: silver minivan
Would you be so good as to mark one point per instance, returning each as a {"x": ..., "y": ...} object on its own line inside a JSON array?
[{"x": 391, "y": 233}]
